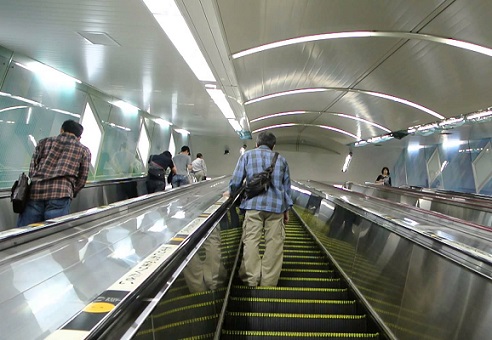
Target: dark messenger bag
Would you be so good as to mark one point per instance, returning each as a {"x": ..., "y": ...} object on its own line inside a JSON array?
[
  {"x": 20, "y": 193},
  {"x": 260, "y": 182}
]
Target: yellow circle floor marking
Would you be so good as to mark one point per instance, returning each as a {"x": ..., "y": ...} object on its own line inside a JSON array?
[{"x": 99, "y": 307}]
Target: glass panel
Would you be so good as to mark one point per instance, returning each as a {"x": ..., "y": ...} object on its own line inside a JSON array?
[
  {"x": 42, "y": 88},
  {"x": 143, "y": 143},
  {"x": 482, "y": 166},
  {"x": 191, "y": 306},
  {"x": 92, "y": 135},
  {"x": 434, "y": 170},
  {"x": 120, "y": 138}
]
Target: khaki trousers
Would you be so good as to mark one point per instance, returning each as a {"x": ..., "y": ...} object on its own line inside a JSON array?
[
  {"x": 256, "y": 270},
  {"x": 199, "y": 175},
  {"x": 205, "y": 271}
]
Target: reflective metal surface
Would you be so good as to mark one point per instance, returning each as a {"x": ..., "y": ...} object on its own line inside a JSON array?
[
  {"x": 193, "y": 303},
  {"x": 419, "y": 284},
  {"x": 91, "y": 196},
  {"x": 466, "y": 207},
  {"x": 47, "y": 281}
]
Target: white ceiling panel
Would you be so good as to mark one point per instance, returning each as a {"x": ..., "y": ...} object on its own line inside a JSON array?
[{"x": 139, "y": 64}]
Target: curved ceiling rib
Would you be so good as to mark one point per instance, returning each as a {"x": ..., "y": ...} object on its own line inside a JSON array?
[
  {"x": 290, "y": 113},
  {"x": 326, "y": 127},
  {"x": 367, "y": 34},
  {"x": 324, "y": 89}
]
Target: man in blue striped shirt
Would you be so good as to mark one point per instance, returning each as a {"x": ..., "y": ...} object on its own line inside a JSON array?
[{"x": 266, "y": 213}]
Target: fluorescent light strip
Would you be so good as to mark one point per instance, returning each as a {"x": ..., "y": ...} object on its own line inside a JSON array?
[
  {"x": 402, "y": 101},
  {"x": 182, "y": 131},
  {"x": 281, "y": 114},
  {"x": 366, "y": 34},
  {"x": 126, "y": 107},
  {"x": 172, "y": 22},
  {"x": 48, "y": 72},
  {"x": 235, "y": 125},
  {"x": 13, "y": 108},
  {"x": 286, "y": 93},
  {"x": 162, "y": 122},
  {"x": 371, "y": 93},
  {"x": 25, "y": 100},
  {"x": 221, "y": 101},
  {"x": 66, "y": 113},
  {"x": 363, "y": 121},
  {"x": 326, "y": 127}
]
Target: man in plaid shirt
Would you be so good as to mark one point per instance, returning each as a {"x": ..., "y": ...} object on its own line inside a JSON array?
[
  {"x": 266, "y": 213},
  {"x": 58, "y": 171}
]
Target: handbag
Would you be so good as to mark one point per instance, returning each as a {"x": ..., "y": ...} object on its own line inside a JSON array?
[
  {"x": 156, "y": 172},
  {"x": 260, "y": 182},
  {"x": 20, "y": 193}
]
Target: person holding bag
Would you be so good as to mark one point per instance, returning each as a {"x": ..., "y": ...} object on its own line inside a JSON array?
[
  {"x": 158, "y": 164},
  {"x": 58, "y": 171},
  {"x": 267, "y": 205}
]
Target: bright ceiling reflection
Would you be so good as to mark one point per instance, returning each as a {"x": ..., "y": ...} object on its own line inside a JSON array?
[
  {"x": 367, "y": 34},
  {"x": 291, "y": 113},
  {"x": 279, "y": 126},
  {"x": 324, "y": 89}
]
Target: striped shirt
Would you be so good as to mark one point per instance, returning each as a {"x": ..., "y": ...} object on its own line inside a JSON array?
[
  {"x": 59, "y": 167},
  {"x": 277, "y": 198}
]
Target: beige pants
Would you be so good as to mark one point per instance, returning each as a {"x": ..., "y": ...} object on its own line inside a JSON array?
[
  {"x": 199, "y": 175},
  {"x": 256, "y": 270},
  {"x": 205, "y": 271}
]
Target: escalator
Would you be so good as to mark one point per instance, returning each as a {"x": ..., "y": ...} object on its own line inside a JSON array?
[{"x": 310, "y": 301}]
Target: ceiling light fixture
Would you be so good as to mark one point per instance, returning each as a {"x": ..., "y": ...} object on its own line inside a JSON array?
[
  {"x": 169, "y": 17},
  {"x": 326, "y": 127},
  {"x": 182, "y": 131},
  {"x": 323, "y": 89},
  {"x": 280, "y": 114},
  {"x": 286, "y": 93},
  {"x": 49, "y": 74},
  {"x": 367, "y": 34}
]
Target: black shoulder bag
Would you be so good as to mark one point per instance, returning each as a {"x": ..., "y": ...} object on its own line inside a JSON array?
[
  {"x": 20, "y": 193},
  {"x": 156, "y": 172},
  {"x": 260, "y": 182}
]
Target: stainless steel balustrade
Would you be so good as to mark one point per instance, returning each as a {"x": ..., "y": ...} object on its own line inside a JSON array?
[
  {"x": 425, "y": 277},
  {"x": 49, "y": 278},
  {"x": 472, "y": 208}
]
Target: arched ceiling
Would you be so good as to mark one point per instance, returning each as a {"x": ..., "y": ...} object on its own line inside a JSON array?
[{"x": 343, "y": 70}]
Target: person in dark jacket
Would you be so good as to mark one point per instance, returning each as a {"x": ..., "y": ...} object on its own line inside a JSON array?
[
  {"x": 384, "y": 178},
  {"x": 158, "y": 164}
]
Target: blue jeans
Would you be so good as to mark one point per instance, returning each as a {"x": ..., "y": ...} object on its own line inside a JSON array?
[
  {"x": 42, "y": 210},
  {"x": 179, "y": 180}
]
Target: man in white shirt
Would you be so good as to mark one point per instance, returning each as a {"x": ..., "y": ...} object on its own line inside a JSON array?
[{"x": 199, "y": 168}]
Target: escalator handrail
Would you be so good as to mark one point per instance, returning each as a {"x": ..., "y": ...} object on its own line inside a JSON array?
[
  {"x": 164, "y": 273},
  {"x": 468, "y": 251},
  {"x": 17, "y": 236}
]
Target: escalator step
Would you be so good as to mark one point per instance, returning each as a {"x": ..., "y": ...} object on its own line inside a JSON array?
[
  {"x": 256, "y": 335},
  {"x": 308, "y": 273},
  {"x": 183, "y": 329},
  {"x": 307, "y": 265},
  {"x": 306, "y": 258},
  {"x": 167, "y": 316},
  {"x": 309, "y": 282},
  {"x": 186, "y": 299},
  {"x": 289, "y": 292},
  {"x": 304, "y": 306},
  {"x": 283, "y": 322}
]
